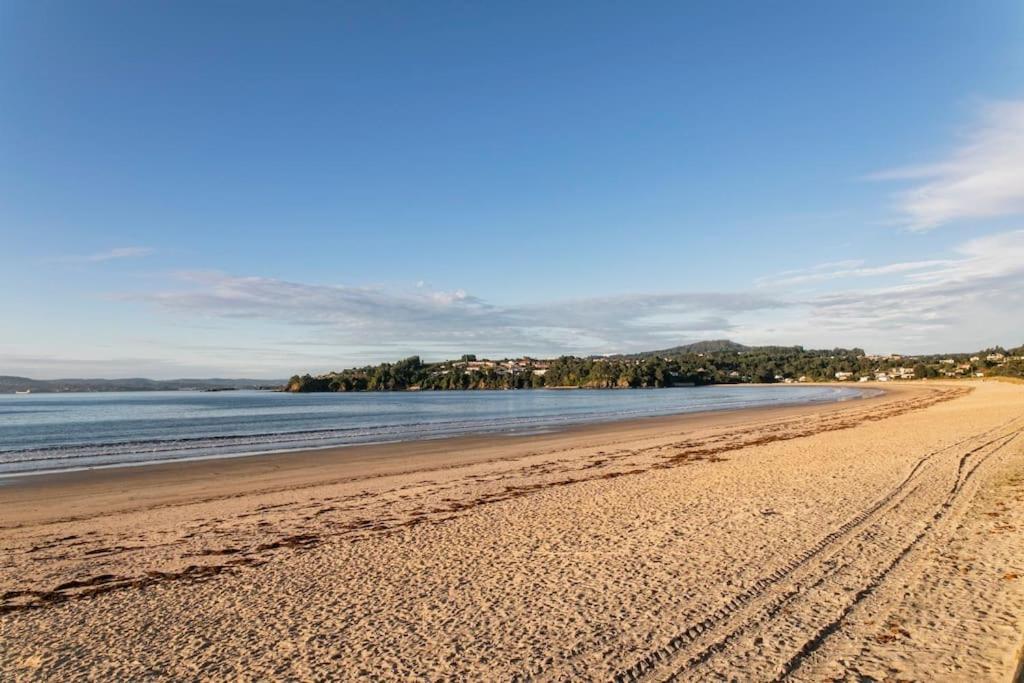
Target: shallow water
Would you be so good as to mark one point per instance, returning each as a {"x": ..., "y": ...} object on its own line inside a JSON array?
[{"x": 54, "y": 432}]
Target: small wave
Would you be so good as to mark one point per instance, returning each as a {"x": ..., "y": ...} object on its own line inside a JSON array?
[{"x": 112, "y": 452}]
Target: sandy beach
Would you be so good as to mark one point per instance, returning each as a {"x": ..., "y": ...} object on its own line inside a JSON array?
[{"x": 874, "y": 539}]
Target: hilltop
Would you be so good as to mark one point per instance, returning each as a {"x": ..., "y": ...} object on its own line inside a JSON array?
[{"x": 709, "y": 346}]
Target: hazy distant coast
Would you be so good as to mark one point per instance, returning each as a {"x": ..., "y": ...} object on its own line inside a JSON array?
[{"x": 10, "y": 384}]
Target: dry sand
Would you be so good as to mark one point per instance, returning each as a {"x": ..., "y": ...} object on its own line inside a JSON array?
[{"x": 876, "y": 539}]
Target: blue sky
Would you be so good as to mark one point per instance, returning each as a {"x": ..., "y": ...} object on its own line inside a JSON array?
[{"x": 259, "y": 189}]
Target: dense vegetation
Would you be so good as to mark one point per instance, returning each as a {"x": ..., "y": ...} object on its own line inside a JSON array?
[{"x": 718, "y": 362}]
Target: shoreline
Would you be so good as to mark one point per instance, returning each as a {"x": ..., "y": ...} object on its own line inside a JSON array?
[
  {"x": 8, "y": 478},
  {"x": 176, "y": 480}
]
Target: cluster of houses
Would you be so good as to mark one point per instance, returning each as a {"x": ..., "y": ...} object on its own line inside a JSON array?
[
  {"x": 948, "y": 367},
  {"x": 514, "y": 366},
  {"x": 954, "y": 368},
  {"x": 877, "y": 375}
]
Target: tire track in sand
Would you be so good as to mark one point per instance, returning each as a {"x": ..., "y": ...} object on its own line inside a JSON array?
[{"x": 769, "y": 596}]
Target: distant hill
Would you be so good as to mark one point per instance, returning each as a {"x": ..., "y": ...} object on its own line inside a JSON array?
[
  {"x": 10, "y": 384},
  {"x": 709, "y": 346}
]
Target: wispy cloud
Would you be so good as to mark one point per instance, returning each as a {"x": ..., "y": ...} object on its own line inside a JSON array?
[
  {"x": 982, "y": 178},
  {"x": 961, "y": 302},
  {"x": 258, "y": 326},
  {"x": 845, "y": 270},
  {"x": 455, "y": 321},
  {"x": 109, "y": 255},
  {"x": 938, "y": 304}
]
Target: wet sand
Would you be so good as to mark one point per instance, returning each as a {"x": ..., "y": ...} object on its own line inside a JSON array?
[{"x": 877, "y": 538}]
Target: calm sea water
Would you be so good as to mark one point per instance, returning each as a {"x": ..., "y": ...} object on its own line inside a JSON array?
[{"x": 53, "y": 432}]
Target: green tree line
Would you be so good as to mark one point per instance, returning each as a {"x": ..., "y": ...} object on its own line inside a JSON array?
[{"x": 766, "y": 364}]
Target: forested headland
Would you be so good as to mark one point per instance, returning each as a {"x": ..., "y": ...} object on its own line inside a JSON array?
[{"x": 702, "y": 363}]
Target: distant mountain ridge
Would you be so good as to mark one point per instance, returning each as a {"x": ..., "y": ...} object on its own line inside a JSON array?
[{"x": 10, "y": 384}]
